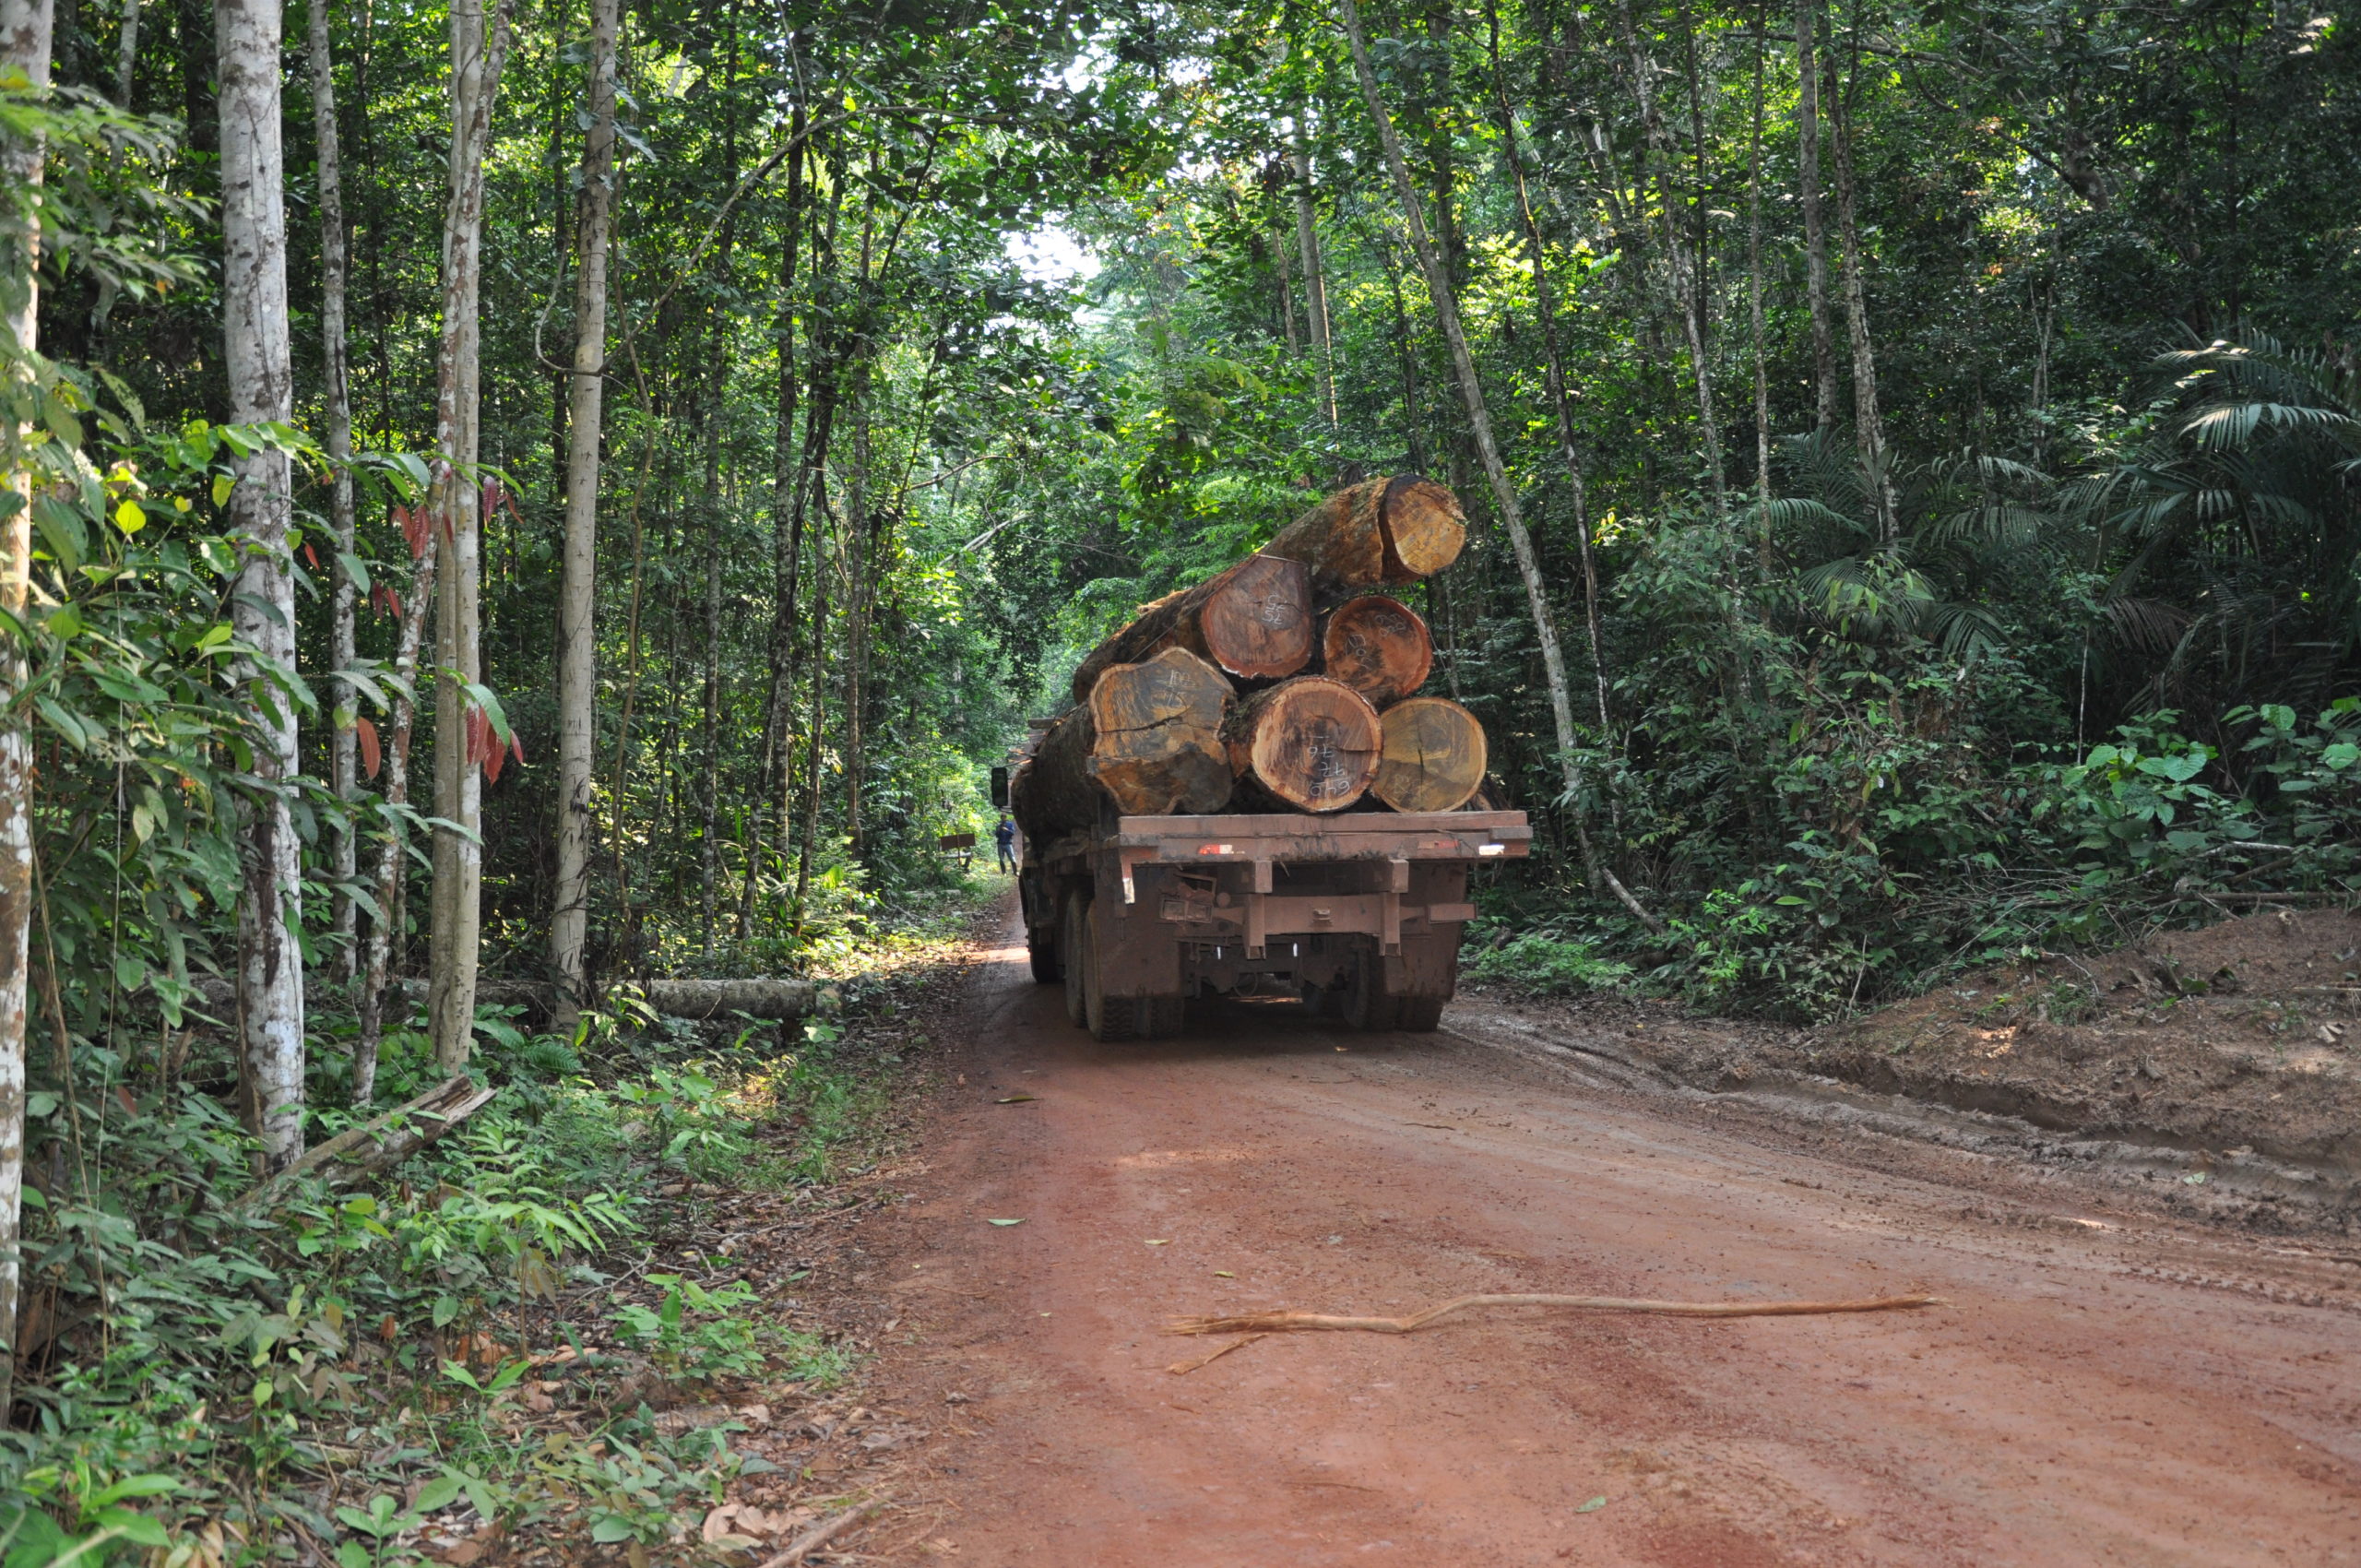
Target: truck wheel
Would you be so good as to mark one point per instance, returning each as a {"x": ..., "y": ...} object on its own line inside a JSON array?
[
  {"x": 1364, "y": 1003},
  {"x": 1418, "y": 1015},
  {"x": 1162, "y": 1017},
  {"x": 1043, "y": 953},
  {"x": 1074, "y": 961},
  {"x": 1109, "y": 1018}
]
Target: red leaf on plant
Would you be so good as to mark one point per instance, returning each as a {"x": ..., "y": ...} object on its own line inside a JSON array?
[
  {"x": 490, "y": 498},
  {"x": 516, "y": 748},
  {"x": 312, "y": 555},
  {"x": 492, "y": 759},
  {"x": 371, "y": 757}
]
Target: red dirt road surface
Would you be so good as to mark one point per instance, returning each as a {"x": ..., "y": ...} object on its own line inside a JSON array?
[{"x": 2102, "y": 1387}]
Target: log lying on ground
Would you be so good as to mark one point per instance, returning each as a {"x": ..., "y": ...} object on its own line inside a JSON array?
[
  {"x": 1431, "y": 757},
  {"x": 1382, "y": 530},
  {"x": 1377, "y": 646},
  {"x": 1147, "y": 741},
  {"x": 1252, "y": 622},
  {"x": 1306, "y": 745},
  {"x": 1286, "y": 1321},
  {"x": 381, "y": 1144}
]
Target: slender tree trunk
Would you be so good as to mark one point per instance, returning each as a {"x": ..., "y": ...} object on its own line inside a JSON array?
[
  {"x": 1286, "y": 296},
  {"x": 393, "y": 855},
  {"x": 1823, "y": 338},
  {"x": 858, "y": 568},
  {"x": 25, "y": 32},
  {"x": 261, "y": 375},
  {"x": 478, "y": 52},
  {"x": 1687, "y": 292},
  {"x": 577, "y": 671},
  {"x": 1755, "y": 308},
  {"x": 814, "y": 733},
  {"x": 1553, "y": 371},
  {"x": 1471, "y": 392},
  {"x": 126, "y": 54},
  {"x": 344, "y": 774},
  {"x": 1868, "y": 426},
  {"x": 786, "y": 552},
  {"x": 1316, "y": 281}
]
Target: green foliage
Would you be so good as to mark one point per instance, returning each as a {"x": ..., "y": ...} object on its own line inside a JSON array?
[
  {"x": 1540, "y": 965},
  {"x": 694, "y": 1334}
]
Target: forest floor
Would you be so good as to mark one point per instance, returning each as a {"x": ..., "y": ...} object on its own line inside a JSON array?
[{"x": 2115, "y": 1373}]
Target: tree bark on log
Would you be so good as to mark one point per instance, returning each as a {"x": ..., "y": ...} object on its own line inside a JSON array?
[
  {"x": 379, "y": 1145},
  {"x": 1307, "y": 744},
  {"x": 1379, "y": 647},
  {"x": 1252, "y": 622},
  {"x": 1432, "y": 757},
  {"x": 1148, "y": 743},
  {"x": 1382, "y": 531}
]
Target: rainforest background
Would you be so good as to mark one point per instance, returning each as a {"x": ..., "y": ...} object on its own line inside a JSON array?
[{"x": 1931, "y": 429}]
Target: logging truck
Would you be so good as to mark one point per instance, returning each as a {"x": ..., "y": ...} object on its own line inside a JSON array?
[
  {"x": 1357, "y": 915},
  {"x": 1248, "y": 798}
]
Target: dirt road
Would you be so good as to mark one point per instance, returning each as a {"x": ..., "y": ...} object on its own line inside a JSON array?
[{"x": 2102, "y": 1387}]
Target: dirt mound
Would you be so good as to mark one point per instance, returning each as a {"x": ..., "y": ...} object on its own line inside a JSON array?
[{"x": 2224, "y": 1062}]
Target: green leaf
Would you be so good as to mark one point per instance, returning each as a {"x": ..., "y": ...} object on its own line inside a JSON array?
[
  {"x": 221, "y": 483},
  {"x": 1592, "y": 1506},
  {"x": 135, "y": 1486},
  {"x": 439, "y": 1493},
  {"x": 1004, "y": 1222},
  {"x": 130, "y": 516},
  {"x": 136, "y": 1527},
  {"x": 610, "y": 1528}
]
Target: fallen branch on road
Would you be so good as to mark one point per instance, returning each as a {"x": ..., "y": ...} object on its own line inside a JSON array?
[
  {"x": 821, "y": 1535},
  {"x": 1285, "y": 1320}
]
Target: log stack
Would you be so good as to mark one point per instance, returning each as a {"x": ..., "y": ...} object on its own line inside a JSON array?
[{"x": 1285, "y": 683}]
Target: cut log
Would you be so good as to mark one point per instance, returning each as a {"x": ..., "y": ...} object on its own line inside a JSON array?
[
  {"x": 1252, "y": 622},
  {"x": 1433, "y": 756},
  {"x": 1382, "y": 531},
  {"x": 1378, "y": 647},
  {"x": 1148, "y": 742},
  {"x": 358, "y": 1153},
  {"x": 1306, "y": 745}
]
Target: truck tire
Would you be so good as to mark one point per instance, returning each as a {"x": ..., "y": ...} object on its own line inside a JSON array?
[
  {"x": 1074, "y": 959},
  {"x": 1042, "y": 951},
  {"x": 1113, "y": 1019},
  {"x": 1418, "y": 1015},
  {"x": 1366, "y": 1004}
]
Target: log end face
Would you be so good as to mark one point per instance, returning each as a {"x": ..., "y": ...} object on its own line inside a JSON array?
[
  {"x": 1257, "y": 624},
  {"x": 1433, "y": 757},
  {"x": 1313, "y": 742},
  {"x": 1424, "y": 527},
  {"x": 1379, "y": 647}
]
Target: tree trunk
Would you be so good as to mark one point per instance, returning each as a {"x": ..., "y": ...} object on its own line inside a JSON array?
[
  {"x": 787, "y": 551},
  {"x": 393, "y": 855},
  {"x": 1252, "y": 622},
  {"x": 1378, "y": 647},
  {"x": 25, "y": 34},
  {"x": 1147, "y": 742},
  {"x": 1687, "y": 290},
  {"x": 1471, "y": 392},
  {"x": 126, "y": 54},
  {"x": 261, "y": 375},
  {"x": 336, "y": 394},
  {"x": 1315, "y": 280},
  {"x": 1868, "y": 426},
  {"x": 1754, "y": 308},
  {"x": 1307, "y": 744},
  {"x": 1823, "y": 338},
  {"x": 1554, "y": 377},
  {"x": 1431, "y": 757},
  {"x": 1379, "y": 531},
  {"x": 476, "y": 62},
  {"x": 577, "y": 641}
]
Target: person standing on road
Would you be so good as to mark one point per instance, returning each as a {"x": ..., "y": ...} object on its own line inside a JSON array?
[{"x": 1005, "y": 839}]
